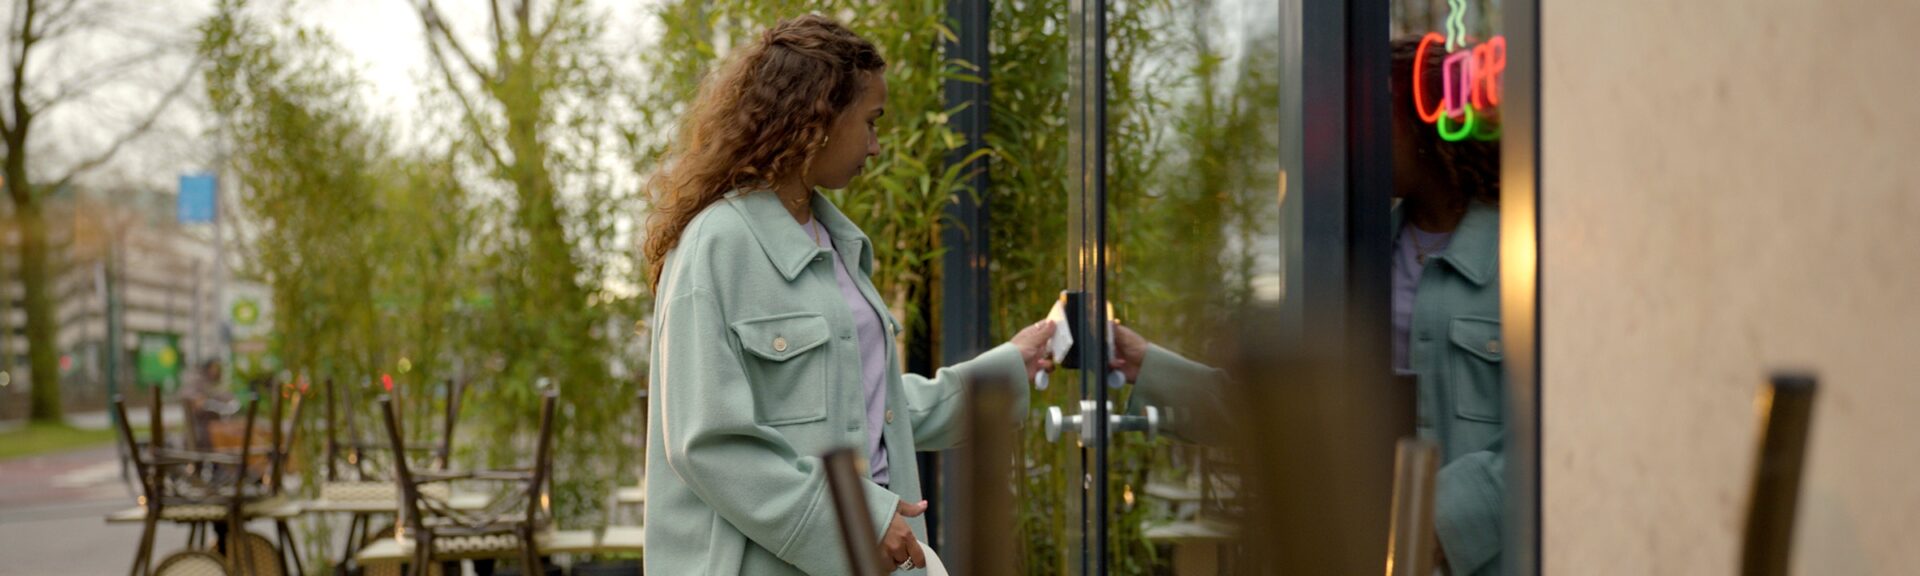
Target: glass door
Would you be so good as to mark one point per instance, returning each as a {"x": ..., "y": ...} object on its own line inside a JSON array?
[
  {"x": 1177, "y": 237},
  {"x": 1251, "y": 351},
  {"x": 1194, "y": 250}
]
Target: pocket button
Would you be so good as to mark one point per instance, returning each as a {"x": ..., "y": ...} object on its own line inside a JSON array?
[
  {"x": 779, "y": 344},
  {"x": 1493, "y": 346}
]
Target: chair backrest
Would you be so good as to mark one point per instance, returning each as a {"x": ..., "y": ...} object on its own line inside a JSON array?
[
  {"x": 333, "y": 437},
  {"x": 246, "y": 453},
  {"x": 455, "y": 393},
  {"x": 402, "y": 476},
  {"x": 156, "y": 426},
  {"x": 125, "y": 430},
  {"x": 281, "y": 449},
  {"x": 192, "y": 440},
  {"x": 542, "y": 459},
  {"x": 151, "y": 466},
  {"x": 355, "y": 450}
]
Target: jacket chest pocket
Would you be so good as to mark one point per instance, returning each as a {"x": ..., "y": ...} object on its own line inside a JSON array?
[
  {"x": 786, "y": 363},
  {"x": 1474, "y": 368}
]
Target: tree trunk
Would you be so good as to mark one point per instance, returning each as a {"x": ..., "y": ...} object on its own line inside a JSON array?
[
  {"x": 42, "y": 325},
  {"x": 555, "y": 272},
  {"x": 6, "y": 313}
]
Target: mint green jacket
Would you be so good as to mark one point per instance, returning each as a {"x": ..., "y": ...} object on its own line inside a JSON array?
[
  {"x": 1456, "y": 354},
  {"x": 1461, "y": 402},
  {"x": 755, "y": 374}
]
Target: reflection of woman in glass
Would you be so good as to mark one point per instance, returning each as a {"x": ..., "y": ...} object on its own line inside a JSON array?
[
  {"x": 1446, "y": 312},
  {"x": 771, "y": 345}
]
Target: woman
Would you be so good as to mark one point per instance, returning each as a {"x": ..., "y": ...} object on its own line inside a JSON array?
[
  {"x": 770, "y": 344},
  {"x": 1446, "y": 313}
]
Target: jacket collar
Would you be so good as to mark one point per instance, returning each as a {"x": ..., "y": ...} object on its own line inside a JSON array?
[
  {"x": 1474, "y": 249},
  {"x": 847, "y": 236},
  {"x": 786, "y": 244}
]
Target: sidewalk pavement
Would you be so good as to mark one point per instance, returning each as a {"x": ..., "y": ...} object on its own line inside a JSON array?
[
  {"x": 100, "y": 420},
  {"x": 51, "y": 515}
]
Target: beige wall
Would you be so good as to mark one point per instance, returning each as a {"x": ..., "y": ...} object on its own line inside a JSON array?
[{"x": 1729, "y": 186}]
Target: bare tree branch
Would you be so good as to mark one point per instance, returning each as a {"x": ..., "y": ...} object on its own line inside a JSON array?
[
  {"x": 472, "y": 117},
  {"x": 539, "y": 39},
  {"x": 536, "y": 39},
  {"x": 499, "y": 26},
  {"x": 437, "y": 28},
  {"x": 59, "y": 18},
  {"x": 16, "y": 126},
  {"x": 145, "y": 125},
  {"x": 94, "y": 77},
  {"x": 16, "y": 18}
]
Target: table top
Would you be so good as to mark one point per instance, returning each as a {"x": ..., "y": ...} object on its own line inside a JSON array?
[{"x": 459, "y": 501}]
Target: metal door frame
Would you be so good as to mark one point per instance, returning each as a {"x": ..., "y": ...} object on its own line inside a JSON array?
[
  {"x": 1521, "y": 281},
  {"x": 1087, "y": 233}
]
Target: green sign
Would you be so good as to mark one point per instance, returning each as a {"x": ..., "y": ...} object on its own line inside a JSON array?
[
  {"x": 159, "y": 359},
  {"x": 246, "y": 312}
]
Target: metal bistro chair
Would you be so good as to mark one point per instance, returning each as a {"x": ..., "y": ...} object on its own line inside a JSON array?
[
  {"x": 355, "y": 482},
  {"x": 265, "y": 474},
  {"x": 198, "y": 489},
  {"x": 354, "y": 450},
  {"x": 514, "y": 523},
  {"x": 282, "y": 440}
]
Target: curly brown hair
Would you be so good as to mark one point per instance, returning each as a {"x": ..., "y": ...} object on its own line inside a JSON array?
[
  {"x": 1468, "y": 169},
  {"x": 760, "y": 118}
]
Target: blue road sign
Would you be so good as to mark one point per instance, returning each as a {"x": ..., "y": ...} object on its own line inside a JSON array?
[{"x": 197, "y": 205}]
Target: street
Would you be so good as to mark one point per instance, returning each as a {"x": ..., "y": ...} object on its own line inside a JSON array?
[{"x": 51, "y": 510}]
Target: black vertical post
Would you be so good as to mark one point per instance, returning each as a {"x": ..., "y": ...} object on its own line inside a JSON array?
[
  {"x": 965, "y": 327},
  {"x": 1369, "y": 55},
  {"x": 1336, "y": 143},
  {"x": 1521, "y": 281}
]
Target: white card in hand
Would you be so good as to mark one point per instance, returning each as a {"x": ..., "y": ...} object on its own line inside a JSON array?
[{"x": 1062, "y": 340}]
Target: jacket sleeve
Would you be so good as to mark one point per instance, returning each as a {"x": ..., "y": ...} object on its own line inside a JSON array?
[
  {"x": 938, "y": 404},
  {"x": 746, "y": 472},
  {"x": 1194, "y": 395},
  {"x": 1470, "y": 495}
]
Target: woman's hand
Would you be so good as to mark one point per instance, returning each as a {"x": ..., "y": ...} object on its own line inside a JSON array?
[
  {"x": 1131, "y": 351},
  {"x": 898, "y": 544},
  {"x": 1032, "y": 342}
]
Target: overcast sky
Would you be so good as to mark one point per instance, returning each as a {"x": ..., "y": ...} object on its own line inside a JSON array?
[{"x": 384, "y": 39}]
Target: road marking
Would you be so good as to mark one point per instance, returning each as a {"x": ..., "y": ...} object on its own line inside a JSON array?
[{"x": 93, "y": 475}]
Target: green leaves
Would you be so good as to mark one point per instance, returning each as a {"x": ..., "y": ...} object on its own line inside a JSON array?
[{"x": 502, "y": 252}]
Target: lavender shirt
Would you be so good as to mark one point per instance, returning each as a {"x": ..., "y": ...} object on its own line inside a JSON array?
[
  {"x": 873, "y": 357},
  {"x": 1406, "y": 282}
]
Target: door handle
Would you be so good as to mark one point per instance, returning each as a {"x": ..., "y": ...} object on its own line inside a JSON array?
[{"x": 1059, "y": 423}]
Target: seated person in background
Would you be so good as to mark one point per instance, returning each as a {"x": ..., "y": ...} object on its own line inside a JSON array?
[{"x": 205, "y": 401}]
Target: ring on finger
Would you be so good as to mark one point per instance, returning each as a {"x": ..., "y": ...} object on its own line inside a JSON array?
[{"x": 905, "y": 565}]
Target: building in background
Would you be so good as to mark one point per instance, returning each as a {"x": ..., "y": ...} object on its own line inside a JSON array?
[{"x": 121, "y": 253}]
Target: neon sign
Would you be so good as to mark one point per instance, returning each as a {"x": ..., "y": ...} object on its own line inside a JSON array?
[{"x": 1469, "y": 90}]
